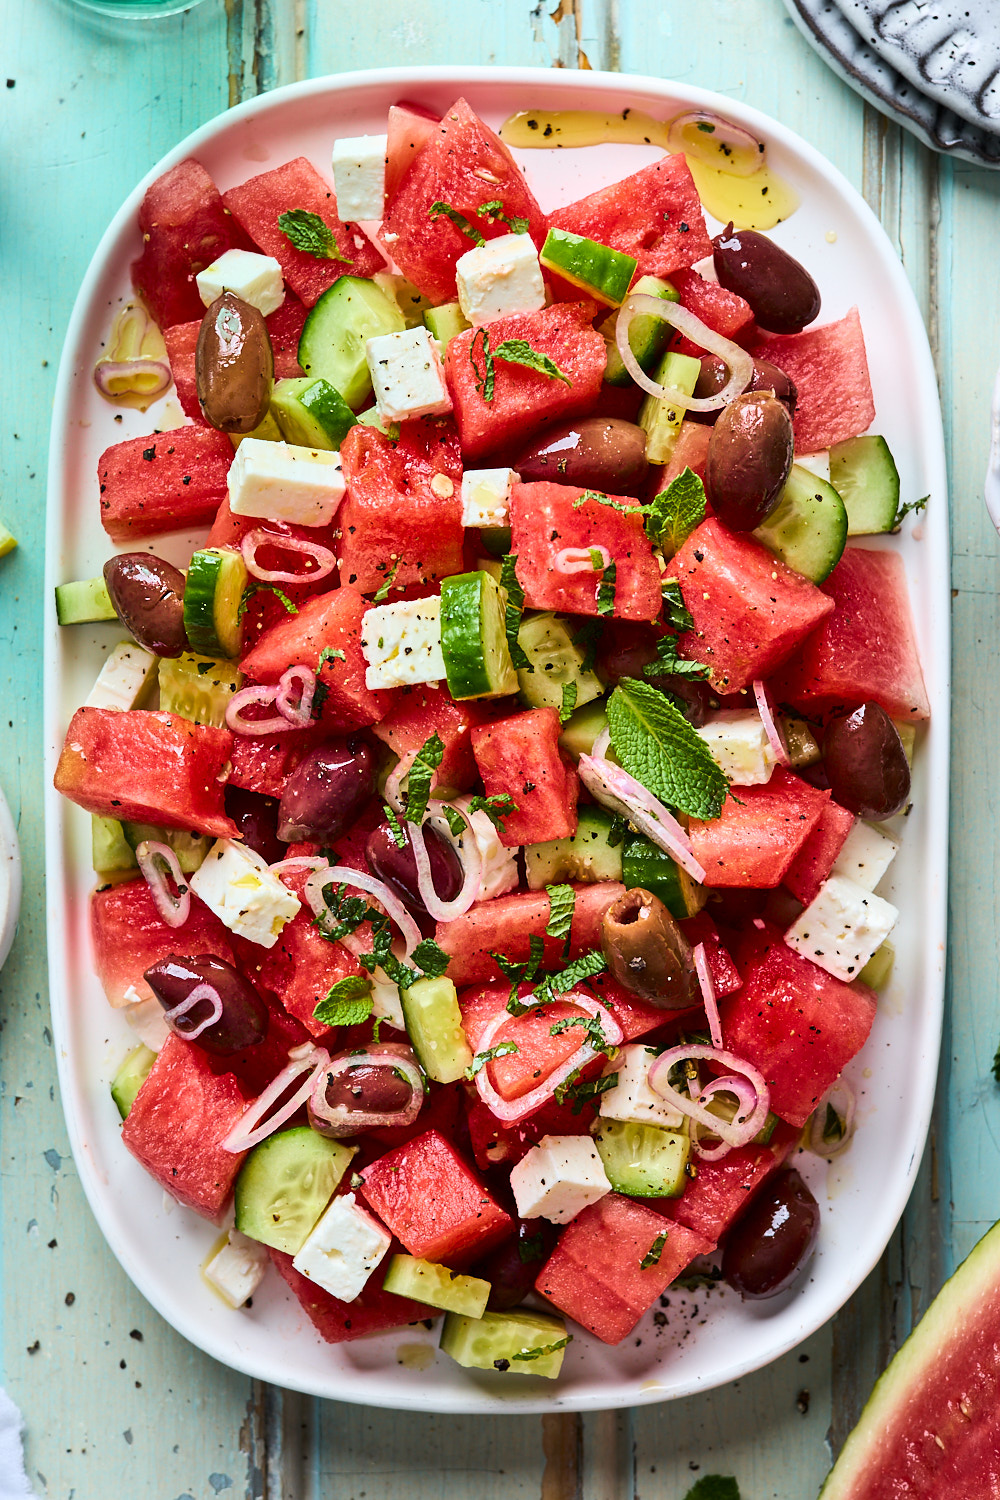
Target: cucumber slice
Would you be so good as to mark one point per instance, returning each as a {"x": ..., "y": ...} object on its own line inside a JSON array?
[
  {"x": 547, "y": 641},
  {"x": 587, "y": 856},
  {"x": 213, "y": 594},
  {"x": 597, "y": 269},
  {"x": 83, "y": 602},
  {"x": 495, "y": 540},
  {"x": 285, "y": 1184},
  {"x": 198, "y": 687},
  {"x": 425, "y": 1281},
  {"x": 864, "y": 474},
  {"x": 434, "y": 1025},
  {"x": 110, "y": 850},
  {"x": 130, "y": 1078},
  {"x": 647, "y": 336},
  {"x": 311, "y": 414},
  {"x": 643, "y": 864},
  {"x": 808, "y": 527},
  {"x": 583, "y": 727},
  {"x": 643, "y": 1161},
  {"x": 411, "y": 303},
  {"x": 446, "y": 322},
  {"x": 878, "y": 970},
  {"x": 190, "y": 848},
  {"x": 501, "y": 1340},
  {"x": 474, "y": 637},
  {"x": 660, "y": 420},
  {"x": 267, "y": 430},
  {"x": 800, "y": 742},
  {"x": 334, "y": 335}
]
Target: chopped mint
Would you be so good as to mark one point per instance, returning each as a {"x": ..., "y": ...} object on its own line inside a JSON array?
[
  {"x": 267, "y": 588},
  {"x": 494, "y": 210},
  {"x": 606, "y": 590},
  {"x": 912, "y": 507},
  {"x": 382, "y": 592},
  {"x": 543, "y": 1349},
  {"x": 308, "y": 232},
  {"x": 502, "y": 1049},
  {"x": 678, "y": 616},
  {"x": 498, "y": 806},
  {"x": 632, "y": 508},
  {"x": 656, "y": 744},
  {"x": 592, "y": 1026},
  {"x": 669, "y": 664},
  {"x": 519, "y": 352},
  {"x": 347, "y": 1003},
  {"x": 395, "y": 826},
  {"x": 419, "y": 777},
  {"x": 329, "y": 653},
  {"x": 431, "y": 960},
  {"x": 675, "y": 512},
  {"x": 562, "y": 904},
  {"x": 588, "y": 635},
  {"x": 569, "y": 692},
  {"x": 456, "y": 822},
  {"x": 652, "y": 1255},
  {"x": 520, "y": 973},
  {"x": 459, "y": 220},
  {"x": 513, "y": 611},
  {"x": 347, "y": 912},
  {"x": 579, "y": 1091}
]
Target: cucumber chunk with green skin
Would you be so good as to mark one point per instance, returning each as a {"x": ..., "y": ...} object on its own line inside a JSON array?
[
  {"x": 878, "y": 970},
  {"x": 213, "y": 593},
  {"x": 446, "y": 322},
  {"x": 311, "y": 414},
  {"x": 647, "y": 336},
  {"x": 510, "y": 1342},
  {"x": 130, "y": 1078},
  {"x": 110, "y": 849},
  {"x": 198, "y": 687},
  {"x": 83, "y": 602},
  {"x": 267, "y": 430},
  {"x": 808, "y": 527},
  {"x": 285, "y": 1184},
  {"x": 659, "y": 418},
  {"x": 495, "y": 540},
  {"x": 643, "y": 1161},
  {"x": 190, "y": 848},
  {"x": 648, "y": 867},
  {"x": 598, "y": 270},
  {"x": 336, "y": 331},
  {"x": 434, "y": 1026},
  {"x": 864, "y": 474},
  {"x": 411, "y": 302},
  {"x": 587, "y": 856},
  {"x": 474, "y": 637},
  {"x": 547, "y": 642},
  {"x": 583, "y": 727},
  {"x": 425, "y": 1281}
]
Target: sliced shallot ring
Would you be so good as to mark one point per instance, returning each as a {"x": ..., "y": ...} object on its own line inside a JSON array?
[
  {"x": 116, "y": 377},
  {"x": 616, "y": 789},
  {"x": 472, "y": 868},
  {"x": 774, "y": 736},
  {"x": 512, "y": 1110},
  {"x": 298, "y": 862},
  {"x": 347, "y": 1121},
  {"x": 264, "y": 693},
  {"x": 199, "y": 993},
  {"x": 708, "y": 994},
  {"x": 746, "y": 1098},
  {"x": 735, "y": 1135},
  {"x": 151, "y": 856},
  {"x": 297, "y": 712},
  {"x": 736, "y": 360},
  {"x": 248, "y": 1130},
  {"x": 341, "y": 875},
  {"x": 580, "y": 560},
  {"x": 814, "y": 1131},
  {"x": 745, "y": 157},
  {"x": 601, "y": 745},
  {"x": 322, "y": 556}
]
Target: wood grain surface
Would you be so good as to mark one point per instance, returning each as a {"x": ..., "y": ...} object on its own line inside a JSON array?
[{"x": 115, "y": 1403}]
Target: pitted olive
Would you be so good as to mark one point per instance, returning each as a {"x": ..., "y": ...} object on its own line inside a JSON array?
[
  {"x": 234, "y": 365},
  {"x": 647, "y": 952},
  {"x": 147, "y": 595}
]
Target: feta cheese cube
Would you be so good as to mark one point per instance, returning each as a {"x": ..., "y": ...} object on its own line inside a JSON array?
[
  {"x": 401, "y": 643},
  {"x": 501, "y": 277},
  {"x": 343, "y": 1249},
  {"x": 236, "y": 884},
  {"x": 124, "y": 679},
  {"x": 146, "y": 1018},
  {"x": 739, "y": 744},
  {"x": 280, "y": 482},
  {"x": 238, "y": 1269},
  {"x": 253, "y": 277},
  {"x": 632, "y": 1099},
  {"x": 486, "y": 496},
  {"x": 842, "y": 927},
  {"x": 359, "y": 176},
  {"x": 866, "y": 854},
  {"x": 559, "y": 1178},
  {"x": 407, "y": 375}
]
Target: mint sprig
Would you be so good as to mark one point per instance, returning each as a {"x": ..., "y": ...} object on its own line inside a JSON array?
[
  {"x": 562, "y": 905},
  {"x": 502, "y": 1049},
  {"x": 513, "y": 351},
  {"x": 439, "y": 209},
  {"x": 652, "y": 1255},
  {"x": 675, "y": 512},
  {"x": 420, "y": 776},
  {"x": 656, "y": 744},
  {"x": 494, "y": 210},
  {"x": 308, "y": 232},
  {"x": 347, "y": 1003}
]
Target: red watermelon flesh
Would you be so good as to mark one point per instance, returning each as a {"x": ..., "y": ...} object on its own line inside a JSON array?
[
  {"x": 181, "y": 341},
  {"x": 750, "y": 610},
  {"x": 506, "y": 924},
  {"x": 258, "y": 204},
  {"x": 410, "y": 127},
  {"x": 714, "y": 1199},
  {"x": 465, "y": 165},
  {"x": 865, "y": 648},
  {"x": 424, "y": 710},
  {"x": 372, "y": 1311},
  {"x": 434, "y": 1202},
  {"x": 654, "y": 215},
  {"x": 718, "y": 309},
  {"x": 520, "y": 757},
  {"x": 816, "y": 858},
  {"x": 830, "y": 369},
  {"x": 756, "y": 838},
  {"x": 496, "y": 1144},
  {"x": 526, "y": 400},
  {"x": 129, "y": 935},
  {"x": 168, "y": 481},
  {"x": 725, "y": 974},
  {"x": 185, "y": 228},
  {"x": 545, "y": 518},
  {"x": 690, "y": 452},
  {"x": 264, "y": 763},
  {"x": 284, "y": 328}
]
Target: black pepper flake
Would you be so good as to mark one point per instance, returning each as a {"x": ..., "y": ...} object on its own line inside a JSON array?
[
  {"x": 186, "y": 479},
  {"x": 148, "y": 453}
]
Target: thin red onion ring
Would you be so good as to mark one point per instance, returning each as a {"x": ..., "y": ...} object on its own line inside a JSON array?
[
  {"x": 116, "y": 377},
  {"x": 708, "y": 994},
  {"x": 323, "y": 557},
  {"x": 472, "y": 865},
  {"x": 616, "y": 789},
  {"x": 602, "y": 745},
  {"x": 341, "y": 875},
  {"x": 248, "y": 1130},
  {"x": 512, "y": 1110},
  {"x": 151, "y": 857},
  {"x": 298, "y": 862},
  {"x": 262, "y": 693},
  {"x": 297, "y": 711},
  {"x": 746, "y": 1099},
  {"x": 199, "y": 993},
  {"x": 774, "y": 736},
  {"x": 737, "y": 360},
  {"x": 745, "y": 154},
  {"x": 579, "y": 560},
  {"x": 338, "y": 1121},
  {"x": 735, "y": 1135}
]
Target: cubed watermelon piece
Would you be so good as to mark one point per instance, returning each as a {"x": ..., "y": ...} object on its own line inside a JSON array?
[
  {"x": 410, "y": 127},
  {"x": 816, "y": 858},
  {"x": 175, "y": 1128},
  {"x": 520, "y": 756},
  {"x": 496, "y": 1144},
  {"x": 433, "y": 1201},
  {"x": 264, "y": 763},
  {"x": 756, "y": 838},
  {"x": 372, "y": 1311},
  {"x": 147, "y": 767},
  {"x": 184, "y": 228},
  {"x": 506, "y": 924},
  {"x": 547, "y": 518},
  {"x": 654, "y": 215},
  {"x": 830, "y": 369},
  {"x": 596, "y": 1275},
  {"x": 463, "y": 164},
  {"x": 750, "y": 610},
  {"x": 719, "y": 309},
  {"x": 168, "y": 481},
  {"x": 259, "y": 203},
  {"x": 524, "y": 400},
  {"x": 797, "y": 1024},
  {"x": 865, "y": 648},
  {"x": 284, "y": 328},
  {"x": 129, "y": 935},
  {"x": 714, "y": 1199},
  {"x": 181, "y": 340},
  {"x": 690, "y": 452},
  {"x": 725, "y": 974},
  {"x": 424, "y": 710}
]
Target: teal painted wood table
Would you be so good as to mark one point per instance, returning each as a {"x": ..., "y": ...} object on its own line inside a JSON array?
[{"x": 115, "y": 1402}]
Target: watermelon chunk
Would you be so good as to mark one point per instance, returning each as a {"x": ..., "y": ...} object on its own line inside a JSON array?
[
  {"x": 818, "y": 854},
  {"x": 496, "y": 1144},
  {"x": 719, "y": 309},
  {"x": 264, "y": 763},
  {"x": 520, "y": 756},
  {"x": 284, "y": 328},
  {"x": 690, "y": 452},
  {"x": 129, "y": 935},
  {"x": 372, "y": 1311},
  {"x": 755, "y": 840},
  {"x": 506, "y": 924},
  {"x": 424, "y": 710},
  {"x": 169, "y": 481},
  {"x": 184, "y": 228},
  {"x": 409, "y": 128},
  {"x": 654, "y": 215},
  {"x": 830, "y": 369},
  {"x": 545, "y": 518},
  {"x": 714, "y": 1199},
  {"x": 181, "y": 340},
  {"x": 725, "y": 975},
  {"x": 433, "y": 1201}
]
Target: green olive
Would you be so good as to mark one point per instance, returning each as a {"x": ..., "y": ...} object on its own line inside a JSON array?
[{"x": 647, "y": 952}]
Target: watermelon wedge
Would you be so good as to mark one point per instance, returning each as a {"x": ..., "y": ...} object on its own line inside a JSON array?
[
  {"x": 830, "y": 369},
  {"x": 654, "y": 215}
]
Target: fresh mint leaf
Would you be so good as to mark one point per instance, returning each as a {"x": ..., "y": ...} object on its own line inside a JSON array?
[
  {"x": 675, "y": 512},
  {"x": 495, "y": 211},
  {"x": 513, "y": 611},
  {"x": 678, "y": 616},
  {"x": 579, "y": 1091},
  {"x": 562, "y": 905},
  {"x": 267, "y": 588},
  {"x": 502, "y": 1049},
  {"x": 485, "y": 378},
  {"x": 630, "y": 509},
  {"x": 498, "y": 806},
  {"x": 520, "y": 973},
  {"x": 420, "y": 776},
  {"x": 459, "y": 220},
  {"x": 308, "y": 232},
  {"x": 714, "y": 1487},
  {"x": 597, "y": 559},
  {"x": 456, "y": 822},
  {"x": 913, "y": 507},
  {"x": 606, "y": 590},
  {"x": 344, "y": 914},
  {"x": 382, "y": 592},
  {"x": 395, "y": 826},
  {"x": 329, "y": 653},
  {"x": 520, "y": 352},
  {"x": 347, "y": 1003},
  {"x": 669, "y": 664},
  {"x": 587, "y": 966},
  {"x": 569, "y": 694},
  {"x": 591, "y": 1025},
  {"x": 431, "y": 960},
  {"x": 656, "y": 744},
  {"x": 652, "y": 1255},
  {"x": 543, "y": 1349}
]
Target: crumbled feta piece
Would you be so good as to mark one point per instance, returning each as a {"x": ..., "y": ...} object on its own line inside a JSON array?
[
  {"x": 238, "y": 1269},
  {"x": 401, "y": 643},
  {"x": 125, "y": 677},
  {"x": 343, "y": 1249},
  {"x": 632, "y": 1099},
  {"x": 499, "y": 864},
  {"x": 866, "y": 854},
  {"x": 842, "y": 927},
  {"x": 816, "y": 463},
  {"x": 559, "y": 1178},
  {"x": 407, "y": 375},
  {"x": 501, "y": 277},
  {"x": 739, "y": 744},
  {"x": 254, "y": 278},
  {"x": 281, "y": 482},
  {"x": 486, "y": 496},
  {"x": 236, "y": 884},
  {"x": 359, "y": 177}
]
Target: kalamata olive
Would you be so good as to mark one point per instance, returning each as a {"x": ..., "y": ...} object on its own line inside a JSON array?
[
  {"x": 513, "y": 1267},
  {"x": 234, "y": 365},
  {"x": 368, "y": 1087},
  {"x": 782, "y": 294},
  {"x": 398, "y": 867},
  {"x": 147, "y": 595},
  {"x": 326, "y": 791},
  {"x": 765, "y": 377},
  {"x": 624, "y": 648},
  {"x": 601, "y": 453},
  {"x": 749, "y": 458},
  {"x": 244, "y": 1017},
  {"x": 770, "y": 1243},
  {"x": 256, "y": 817},
  {"x": 866, "y": 763},
  {"x": 647, "y": 952}
]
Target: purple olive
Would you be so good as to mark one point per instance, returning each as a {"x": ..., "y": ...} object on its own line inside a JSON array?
[
  {"x": 749, "y": 459},
  {"x": 780, "y": 290},
  {"x": 244, "y": 1018},
  {"x": 601, "y": 453},
  {"x": 326, "y": 791},
  {"x": 770, "y": 1243},
  {"x": 370, "y": 1088},
  {"x": 513, "y": 1267},
  {"x": 766, "y": 377},
  {"x": 398, "y": 867},
  {"x": 147, "y": 595},
  {"x": 234, "y": 365},
  {"x": 865, "y": 762},
  {"x": 256, "y": 817}
]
